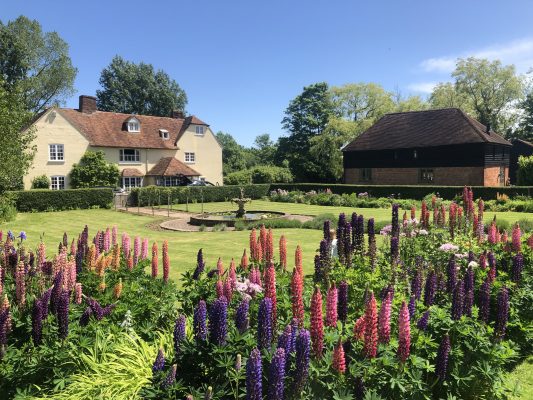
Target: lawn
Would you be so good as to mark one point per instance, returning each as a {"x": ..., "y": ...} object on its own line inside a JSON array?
[{"x": 379, "y": 214}]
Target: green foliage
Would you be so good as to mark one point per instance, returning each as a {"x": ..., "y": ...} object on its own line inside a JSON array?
[
  {"x": 138, "y": 89},
  {"x": 525, "y": 127},
  {"x": 93, "y": 170},
  {"x": 525, "y": 170},
  {"x": 36, "y": 63},
  {"x": 57, "y": 200},
  {"x": 155, "y": 195},
  {"x": 8, "y": 211},
  {"x": 235, "y": 157},
  {"x": 16, "y": 148},
  {"x": 259, "y": 174},
  {"x": 40, "y": 182}
]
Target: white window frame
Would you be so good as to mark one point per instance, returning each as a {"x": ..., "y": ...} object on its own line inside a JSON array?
[
  {"x": 58, "y": 152},
  {"x": 129, "y": 182},
  {"x": 57, "y": 182},
  {"x": 129, "y": 159},
  {"x": 165, "y": 135},
  {"x": 190, "y": 157},
  {"x": 200, "y": 130},
  {"x": 134, "y": 125}
]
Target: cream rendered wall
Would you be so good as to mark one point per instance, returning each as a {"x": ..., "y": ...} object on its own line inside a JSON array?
[
  {"x": 148, "y": 157},
  {"x": 208, "y": 153},
  {"x": 52, "y": 128}
]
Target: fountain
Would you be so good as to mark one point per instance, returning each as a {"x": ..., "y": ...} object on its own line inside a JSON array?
[{"x": 241, "y": 201}]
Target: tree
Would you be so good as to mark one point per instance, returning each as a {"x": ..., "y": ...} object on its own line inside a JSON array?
[
  {"x": 93, "y": 170},
  {"x": 35, "y": 63},
  {"x": 326, "y": 153},
  {"x": 41, "y": 182},
  {"x": 138, "y": 89},
  {"x": 525, "y": 126},
  {"x": 524, "y": 174},
  {"x": 264, "y": 149},
  {"x": 306, "y": 117},
  {"x": 235, "y": 157},
  {"x": 491, "y": 89},
  {"x": 444, "y": 95},
  {"x": 16, "y": 139}
]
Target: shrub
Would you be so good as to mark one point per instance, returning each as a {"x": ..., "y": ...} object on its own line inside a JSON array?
[
  {"x": 57, "y": 200},
  {"x": 524, "y": 174},
  {"x": 8, "y": 211},
  {"x": 40, "y": 182},
  {"x": 93, "y": 170},
  {"x": 260, "y": 174}
]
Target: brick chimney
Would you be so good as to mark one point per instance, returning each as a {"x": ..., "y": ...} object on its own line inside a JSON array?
[
  {"x": 178, "y": 114},
  {"x": 87, "y": 104}
]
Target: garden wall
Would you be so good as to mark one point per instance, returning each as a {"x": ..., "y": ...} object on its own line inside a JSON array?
[
  {"x": 57, "y": 200},
  {"x": 415, "y": 192}
]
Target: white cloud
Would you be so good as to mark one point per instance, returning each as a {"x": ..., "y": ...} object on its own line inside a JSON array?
[
  {"x": 422, "y": 87},
  {"x": 517, "y": 52}
]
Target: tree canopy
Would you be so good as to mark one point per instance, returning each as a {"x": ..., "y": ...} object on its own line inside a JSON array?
[
  {"x": 16, "y": 148},
  {"x": 93, "y": 170},
  {"x": 138, "y": 89},
  {"x": 35, "y": 64}
]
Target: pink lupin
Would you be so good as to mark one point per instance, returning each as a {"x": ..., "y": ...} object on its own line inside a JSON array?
[
  {"x": 144, "y": 249},
  {"x": 107, "y": 240},
  {"x": 384, "y": 319},
  {"x": 114, "y": 235},
  {"x": 78, "y": 293},
  {"x": 331, "y": 306},
  {"x": 136, "y": 249}
]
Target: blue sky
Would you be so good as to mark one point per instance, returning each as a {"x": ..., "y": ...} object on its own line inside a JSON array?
[{"x": 241, "y": 62}]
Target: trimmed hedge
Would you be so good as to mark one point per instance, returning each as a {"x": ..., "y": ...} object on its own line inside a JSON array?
[
  {"x": 407, "y": 192},
  {"x": 58, "y": 200},
  {"x": 155, "y": 195}
]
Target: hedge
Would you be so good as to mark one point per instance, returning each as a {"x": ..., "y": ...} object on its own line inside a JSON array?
[
  {"x": 405, "y": 191},
  {"x": 57, "y": 200},
  {"x": 155, "y": 195}
]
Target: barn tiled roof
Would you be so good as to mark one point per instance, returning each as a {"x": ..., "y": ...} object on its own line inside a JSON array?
[
  {"x": 131, "y": 172},
  {"x": 424, "y": 129},
  {"x": 170, "y": 166},
  {"x": 108, "y": 129}
]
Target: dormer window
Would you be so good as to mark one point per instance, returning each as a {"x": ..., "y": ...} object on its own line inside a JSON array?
[
  {"x": 163, "y": 133},
  {"x": 199, "y": 130},
  {"x": 133, "y": 125}
]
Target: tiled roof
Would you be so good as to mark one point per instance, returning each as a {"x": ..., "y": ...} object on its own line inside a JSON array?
[
  {"x": 424, "y": 129},
  {"x": 131, "y": 172},
  {"x": 108, "y": 129},
  {"x": 170, "y": 166}
]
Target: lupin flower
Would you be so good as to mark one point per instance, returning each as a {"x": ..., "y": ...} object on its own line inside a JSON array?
[
  {"x": 5, "y": 324},
  {"x": 458, "y": 300},
  {"x": 517, "y": 267},
  {"x": 159, "y": 363},
  {"x": 78, "y": 293},
  {"x": 412, "y": 307},
  {"x": 276, "y": 381},
  {"x": 331, "y": 306},
  {"x": 492, "y": 236},
  {"x": 394, "y": 249},
  {"x": 232, "y": 274},
  {"x": 96, "y": 308},
  {"x": 136, "y": 249},
  {"x": 326, "y": 230},
  {"x": 263, "y": 238},
  {"x": 404, "y": 334},
  {"x": 342, "y": 303},
  {"x": 452, "y": 275},
  {"x": 372, "y": 249},
  {"x": 264, "y": 324},
  {"x": 179, "y": 333},
  {"x": 219, "y": 288},
  {"x": 253, "y": 245},
  {"x": 302, "y": 360},
  {"x": 286, "y": 341},
  {"x": 37, "y": 323},
  {"x": 297, "y": 296},
  {"x": 20, "y": 282},
  {"x": 502, "y": 315},
  {"x": 416, "y": 282},
  {"x": 442, "y": 358},
  {"x": 238, "y": 362},
  {"x": 62, "y": 314},
  {"x": 395, "y": 223},
  {"x": 199, "y": 321},
  {"x": 170, "y": 378},
  {"x": 469, "y": 292},
  {"x": 117, "y": 290},
  {"x": 298, "y": 260},
  {"x": 317, "y": 323},
  {"x": 259, "y": 250},
  {"x": 218, "y": 315},
  {"x": 371, "y": 328},
  {"x": 254, "y": 373},
  {"x": 359, "y": 328},
  {"x": 114, "y": 235},
  {"x": 422, "y": 323},
  {"x": 244, "y": 260},
  {"x": 166, "y": 262},
  {"x": 484, "y": 301},
  {"x": 339, "y": 361},
  {"x": 200, "y": 265},
  {"x": 107, "y": 240},
  {"x": 228, "y": 290},
  {"x": 384, "y": 319},
  {"x": 270, "y": 290},
  {"x": 220, "y": 267},
  {"x": 144, "y": 249},
  {"x": 242, "y": 319},
  {"x": 430, "y": 289},
  {"x": 269, "y": 251},
  {"x": 155, "y": 261},
  {"x": 517, "y": 245},
  {"x": 45, "y": 301}
]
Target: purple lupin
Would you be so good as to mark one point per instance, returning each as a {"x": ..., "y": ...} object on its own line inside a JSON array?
[
  {"x": 218, "y": 315},
  {"x": 303, "y": 345},
  {"x": 254, "y": 372},
  {"x": 469, "y": 291},
  {"x": 264, "y": 324},
  {"x": 442, "y": 358},
  {"x": 422, "y": 323},
  {"x": 502, "y": 314},
  {"x": 37, "y": 323},
  {"x": 62, "y": 314},
  {"x": 159, "y": 363},
  {"x": 199, "y": 321},
  {"x": 458, "y": 300},
  {"x": 484, "y": 301},
  {"x": 452, "y": 275},
  {"x": 342, "y": 301},
  {"x": 276, "y": 381},
  {"x": 517, "y": 267},
  {"x": 430, "y": 289},
  {"x": 242, "y": 320},
  {"x": 170, "y": 378},
  {"x": 179, "y": 333}
]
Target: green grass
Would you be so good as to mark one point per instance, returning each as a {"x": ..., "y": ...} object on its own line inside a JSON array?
[
  {"x": 520, "y": 381},
  {"x": 183, "y": 246},
  {"x": 379, "y": 214}
]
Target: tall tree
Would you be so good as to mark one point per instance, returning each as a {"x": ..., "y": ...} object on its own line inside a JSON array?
[
  {"x": 16, "y": 148},
  {"x": 235, "y": 156},
  {"x": 36, "y": 64},
  {"x": 306, "y": 117},
  {"x": 525, "y": 127},
  {"x": 491, "y": 89},
  {"x": 264, "y": 149},
  {"x": 138, "y": 89},
  {"x": 445, "y": 95}
]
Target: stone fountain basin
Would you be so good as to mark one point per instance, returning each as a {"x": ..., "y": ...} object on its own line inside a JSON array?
[{"x": 229, "y": 218}]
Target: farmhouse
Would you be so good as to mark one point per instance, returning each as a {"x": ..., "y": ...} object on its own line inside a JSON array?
[
  {"x": 434, "y": 147},
  {"x": 163, "y": 151}
]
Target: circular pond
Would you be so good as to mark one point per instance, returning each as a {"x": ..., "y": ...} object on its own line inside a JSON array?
[{"x": 228, "y": 218}]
